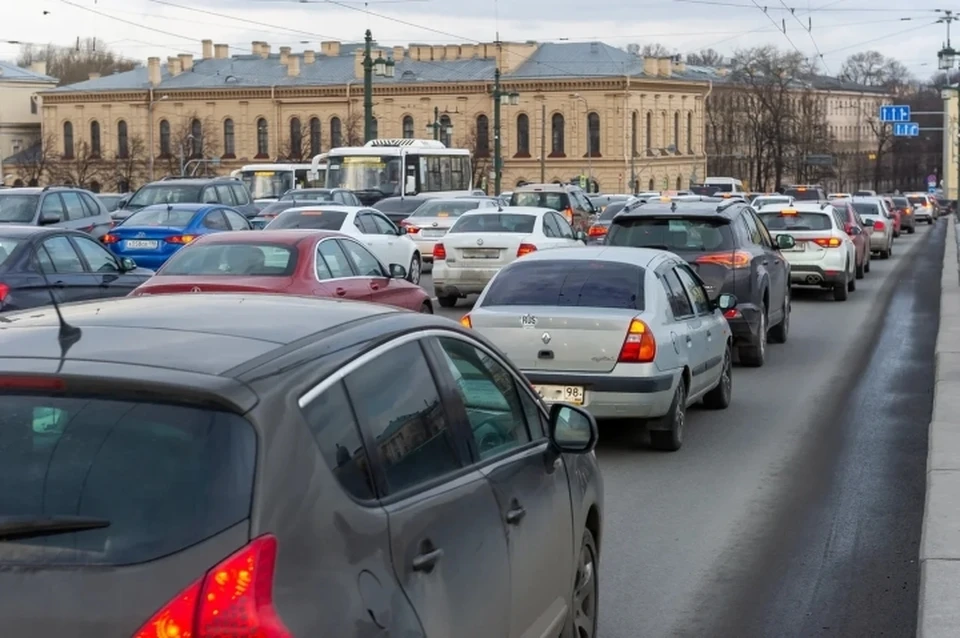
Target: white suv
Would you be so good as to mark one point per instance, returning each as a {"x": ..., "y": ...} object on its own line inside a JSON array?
[{"x": 824, "y": 255}]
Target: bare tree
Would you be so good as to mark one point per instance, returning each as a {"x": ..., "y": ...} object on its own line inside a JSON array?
[
  {"x": 871, "y": 68},
  {"x": 705, "y": 57},
  {"x": 883, "y": 134},
  {"x": 130, "y": 170},
  {"x": 74, "y": 64},
  {"x": 811, "y": 136},
  {"x": 82, "y": 169},
  {"x": 193, "y": 138},
  {"x": 353, "y": 129},
  {"x": 482, "y": 164},
  {"x": 34, "y": 167},
  {"x": 296, "y": 148},
  {"x": 651, "y": 50}
]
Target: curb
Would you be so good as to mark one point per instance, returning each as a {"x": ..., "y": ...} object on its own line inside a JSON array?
[{"x": 938, "y": 614}]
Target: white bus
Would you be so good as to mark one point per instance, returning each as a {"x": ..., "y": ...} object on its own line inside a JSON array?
[
  {"x": 399, "y": 167},
  {"x": 267, "y": 182}
]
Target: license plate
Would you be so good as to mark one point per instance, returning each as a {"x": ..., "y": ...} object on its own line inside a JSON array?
[
  {"x": 556, "y": 393},
  {"x": 433, "y": 233},
  {"x": 481, "y": 253},
  {"x": 799, "y": 247},
  {"x": 141, "y": 243}
]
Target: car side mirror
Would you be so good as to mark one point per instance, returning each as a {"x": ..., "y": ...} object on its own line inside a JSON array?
[
  {"x": 49, "y": 218},
  {"x": 785, "y": 241},
  {"x": 580, "y": 236},
  {"x": 127, "y": 264},
  {"x": 726, "y": 301},
  {"x": 397, "y": 271},
  {"x": 573, "y": 430},
  {"x": 123, "y": 202}
]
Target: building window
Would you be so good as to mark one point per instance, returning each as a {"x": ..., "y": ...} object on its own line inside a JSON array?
[
  {"x": 164, "y": 139},
  {"x": 229, "y": 146},
  {"x": 95, "y": 138},
  {"x": 196, "y": 138},
  {"x": 296, "y": 139},
  {"x": 523, "y": 135},
  {"x": 633, "y": 134},
  {"x": 593, "y": 135},
  {"x": 408, "y": 131},
  {"x": 556, "y": 136},
  {"x": 650, "y": 185},
  {"x": 676, "y": 131},
  {"x": 690, "y": 132},
  {"x": 483, "y": 136},
  {"x": 336, "y": 133},
  {"x": 33, "y": 106},
  {"x": 68, "y": 140},
  {"x": 648, "y": 134},
  {"x": 679, "y": 182},
  {"x": 315, "y": 141},
  {"x": 445, "y": 134},
  {"x": 263, "y": 139},
  {"x": 374, "y": 129},
  {"x": 123, "y": 143}
]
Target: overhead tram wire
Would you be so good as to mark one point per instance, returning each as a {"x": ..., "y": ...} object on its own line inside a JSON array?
[
  {"x": 128, "y": 22},
  {"x": 737, "y": 5},
  {"x": 809, "y": 29},
  {"x": 245, "y": 20}
]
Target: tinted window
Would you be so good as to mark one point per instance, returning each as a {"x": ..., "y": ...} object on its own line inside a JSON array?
[
  {"x": 258, "y": 260},
  {"x": 98, "y": 257},
  {"x": 404, "y": 417},
  {"x": 753, "y": 229},
  {"x": 215, "y": 221},
  {"x": 800, "y": 221},
  {"x": 161, "y": 216},
  {"x": 335, "y": 259},
  {"x": 568, "y": 282},
  {"x": 7, "y": 246},
  {"x": 695, "y": 291},
  {"x": 611, "y": 210},
  {"x": 365, "y": 264},
  {"x": 672, "y": 234},
  {"x": 679, "y": 302},
  {"x": 495, "y": 223},
  {"x": 74, "y": 206},
  {"x": 334, "y": 427},
  {"x": 225, "y": 194},
  {"x": 718, "y": 188},
  {"x": 398, "y": 205},
  {"x": 314, "y": 219},
  {"x": 384, "y": 227},
  {"x": 314, "y": 194},
  {"x": 23, "y": 208},
  {"x": 90, "y": 206},
  {"x": 550, "y": 228},
  {"x": 236, "y": 221},
  {"x": 164, "y": 476},
  {"x": 806, "y": 194},
  {"x": 240, "y": 194},
  {"x": 365, "y": 224},
  {"x": 565, "y": 231},
  {"x": 556, "y": 201},
  {"x": 63, "y": 256},
  {"x": 445, "y": 208},
  {"x": 867, "y": 208},
  {"x": 165, "y": 194}
]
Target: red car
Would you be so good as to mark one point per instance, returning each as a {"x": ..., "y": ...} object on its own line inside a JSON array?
[
  {"x": 293, "y": 262},
  {"x": 895, "y": 211},
  {"x": 858, "y": 231}
]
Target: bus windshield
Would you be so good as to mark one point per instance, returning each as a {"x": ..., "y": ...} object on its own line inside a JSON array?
[
  {"x": 267, "y": 184},
  {"x": 365, "y": 173}
]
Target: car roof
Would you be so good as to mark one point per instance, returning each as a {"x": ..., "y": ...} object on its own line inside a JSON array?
[
  {"x": 687, "y": 206},
  {"x": 507, "y": 210},
  {"x": 186, "y": 206},
  {"x": 29, "y": 190},
  {"x": 21, "y": 231},
  {"x": 641, "y": 257},
  {"x": 336, "y": 208},
  {"x": 288, "y": 236},
  {"x": 800, "y": 207}
]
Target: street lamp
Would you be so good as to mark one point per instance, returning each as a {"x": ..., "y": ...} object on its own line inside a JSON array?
[
  {"x": 946, "y": 58},
  {"x": 586, "y": 106},
  {"x": 380, "y": 68},
  {"x": 500, "y": 98},
  {"x": 437, "y": 128}
]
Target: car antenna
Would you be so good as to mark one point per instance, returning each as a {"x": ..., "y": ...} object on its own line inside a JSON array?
[{"x": 68, "y": 335}]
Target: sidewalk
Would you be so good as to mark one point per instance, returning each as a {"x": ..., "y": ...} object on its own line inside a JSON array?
[{"x": 939, "y": 610}]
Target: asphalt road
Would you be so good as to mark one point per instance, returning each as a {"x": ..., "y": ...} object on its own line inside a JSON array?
[{"x": 797, "y": 511}]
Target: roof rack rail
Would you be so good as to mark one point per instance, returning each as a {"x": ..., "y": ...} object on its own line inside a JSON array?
[
  {"x": 824, "y": 205},
  {"x": 49, "y": 186},
  {"x": 724, "y": 205}
]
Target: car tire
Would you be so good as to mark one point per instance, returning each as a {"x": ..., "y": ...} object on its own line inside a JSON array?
[
  {"x": 447, "y": 301},
  {"x": 841, "y": 290},
  {"x": 426, "y": 308},
  {"x": 415, "y": 270},
  {"x": 912, "y": 230},
  {"x": 719, "y": 398},
  {"x": 861, "y": 269},
  {"x": 585, "y": 596},
  {"x": 890, "y": 250},
  {"x": 754, "y": 355},
  {"x": 866, "y": 265},
  {"x": 670, "y": 439},
  {"x": 852, "y": 284},
  {"x": 885, "y": 254},
  {"x": 780, "y": 332}
]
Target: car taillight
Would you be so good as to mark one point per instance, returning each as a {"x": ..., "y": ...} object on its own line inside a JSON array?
[
  {"x": 848, "y": 229},
  {"x": 906, "y": 211},
  {"x": 109, "y": 239},
  {"x": 878, "y": 225},
  {"x": 597, "y": 231},
  {"x": 733, "y": 313},
  {"x": 826, "y": 242},
  {"x": 639, "y": 345},
  {"x": 408, "y": 227},
  {"x": 525, "y": 249},
  {"x": 466, "y": 322},
  {"x": 180, "y": 239},
  {"x": 734, "y": 259},
  {"x": 234, "y": 598},
  {"x": 4, "y": 291},
  {"x": 568, "y": 213},
  {"x": 439, "y": 252}
]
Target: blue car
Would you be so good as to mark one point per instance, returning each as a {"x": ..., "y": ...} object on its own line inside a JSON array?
[{"x": 151, "y": 235}]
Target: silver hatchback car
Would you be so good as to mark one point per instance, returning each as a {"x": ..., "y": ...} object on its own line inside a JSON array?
[{"x": 628, "y": 333}]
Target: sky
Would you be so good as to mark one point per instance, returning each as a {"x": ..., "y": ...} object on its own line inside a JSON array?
[{"x": 143, "y": 28}]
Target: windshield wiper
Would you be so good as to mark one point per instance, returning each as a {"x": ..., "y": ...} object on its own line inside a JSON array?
[{"x": 17, "y": 527}]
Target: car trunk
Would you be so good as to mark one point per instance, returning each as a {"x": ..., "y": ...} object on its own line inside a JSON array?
[
  {"x": 219, "y": 283},
  {"x": 430, "y": 227},
  {"x": 806, "y": 248},
  {"x": 482, "y": 250},
  {"x": 580, "y": 339},
  {"x": 144, "y": 237}
]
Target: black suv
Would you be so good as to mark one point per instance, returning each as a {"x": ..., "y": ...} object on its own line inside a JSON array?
[
  {"x": 228, "y": 191},
  {"x": 731, "y": 250}
]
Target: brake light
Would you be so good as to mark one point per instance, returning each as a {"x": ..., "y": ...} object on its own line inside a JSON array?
[
  {"x": 525, "y": 249},
  {"x": 180, "y": 239},
  {"x": 906, "y": 211},
  {"x": 30, "y": 383},
  {"x": 568, "y": 213},
  {"x": 733, "y": 313},
  {"x": 826, "y": 242},
  {"x": 234, "y": 598},
  {"x": 109, "y": 239},
  {"x": 878, "y": 225},
  {"x": 411, "y": 230},
  {"x": 4, "y": 291},
  {"x": 597, "y": 231},
  {"x": 465, "y": 321},
  {"x": 639, "y": 346},
  {"x": 848, "y": 229},
  {"x": 735, "y": 259},
  {"x": 439, "y": 252}
]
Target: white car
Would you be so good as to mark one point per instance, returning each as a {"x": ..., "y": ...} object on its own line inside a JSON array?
[
  {"x": 824, "y": 255},
  {"x": 387, "y": 242},
  {"x": 772, "y": 200},
  {"x": 433, "y": 218},
  {"x": 874, "y": 214},
  {"x": 483, "y": 241}
]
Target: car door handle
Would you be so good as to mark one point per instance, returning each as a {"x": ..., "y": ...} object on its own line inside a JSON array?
[
  {"x": 516, "y": 514},
  {"x": 374, "y": 286},
  {"x": 59, "y": 284},
  {"x": 426, "y": 561},
  {"x": 341, "y": 292}
]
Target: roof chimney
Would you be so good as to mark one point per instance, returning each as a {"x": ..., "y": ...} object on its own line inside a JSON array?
[
  {"x": 153, "y": 71},
  {"x": 293, "y": 66},
  {"x": 264, "y": 50},
  {"x": 207, "y": 49},
  {"x": 186, "y": 61},
  {"x": 331, "y": 48},
  {"x": 358, "y": 63},
  {"x": 94, "y": 75},
  {"x": 309, "y": 57},
  {"x": 650, "y": 66},
  {"x": 665, "y": 67},
  {"x": 284, "y": 54},
  {"x": 397, "y": 54},
  {"x": 221, "y": 51},
  {"x": 39, "y": 67},
  {"x": 173, "y": 66},
  {"x": 255, "y": 47}
]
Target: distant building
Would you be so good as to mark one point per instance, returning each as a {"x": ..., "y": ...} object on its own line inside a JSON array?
[{"x": 19, "y": 113}]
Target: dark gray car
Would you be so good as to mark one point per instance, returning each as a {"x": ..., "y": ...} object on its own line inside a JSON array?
[
  {"x": 228, "y": 191},
  {"x": 308, "y": 468},
  {"x": 64, "y": 207}
]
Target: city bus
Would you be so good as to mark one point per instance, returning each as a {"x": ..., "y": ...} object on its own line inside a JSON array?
[
  {"x": 398, "y": 167},
  {"x": 267, "y": 182}
]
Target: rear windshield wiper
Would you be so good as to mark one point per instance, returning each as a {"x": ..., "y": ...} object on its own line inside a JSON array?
[{"x": 17, "y": 527}]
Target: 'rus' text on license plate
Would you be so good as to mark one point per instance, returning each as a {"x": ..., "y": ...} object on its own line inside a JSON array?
[
  {"x": 481, "y": 253},
  {"x": 141, "y": 243},
  {"x": 556, "y": 393}
]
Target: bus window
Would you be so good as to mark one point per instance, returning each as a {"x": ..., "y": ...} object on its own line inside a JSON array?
[{"x": 301, "y": 177}]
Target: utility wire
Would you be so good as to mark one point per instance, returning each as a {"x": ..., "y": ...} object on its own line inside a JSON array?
[
  {"x": 129, "y": 22},
  {"x": 245, "y": 20}
]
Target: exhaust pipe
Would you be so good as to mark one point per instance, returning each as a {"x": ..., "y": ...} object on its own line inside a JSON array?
[{"x": 813, "y": 279}]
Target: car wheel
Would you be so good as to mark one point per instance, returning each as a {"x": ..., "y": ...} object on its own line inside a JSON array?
[
  {"x": 779, "y": 333},
  {"x": 447, "y": 301},
  {"x": 861, "y": 268},
  {"x": 852, "y": 284},
  {"x": 912, "y": 230},
  {"x": 415, "y": 269},
  {"x": 841, "y": 290},
  {"x": 754, "y": 355},
  {"x": 866, "y": 265},
  {"x": 890, "y": 250},
  {"x": 426, "y": 308},
  {"x": 671, "y": 438},
  {"x": 586, "y": 592},
  {"x": 719, "y": 397},
  {"x": 885, "y": 254}
]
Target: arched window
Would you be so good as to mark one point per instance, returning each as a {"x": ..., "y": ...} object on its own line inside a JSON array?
[
  {"x": 445, "y": 134},
  {"x": 690, "y": 132},
  {"x": 523, "y": 135},
  {"x": 648, "y": 134},
  {"x": 94, "y": 186},
  {"x": 633, "y": 134},
  {"x": 296, "y": 138},
  {"x": 483, "y": 136},
  {"x": 164, "y": 139},
  {"x": 229, "y": 141},
  {"x": 315, "y": 141},
  {"x": 408, "y": 131},
  {"x": 679, "y": 182},
  {"x": 123, "y": 142},
  {"x": 263, "y": 138},
  {"x": 336, "y": 132},
  {"x": 593, "y": 135},
  {"x": 95, "y": 139},
  {"x": 650, "y": 185},
  {"x": 196, "y": 138},
  {"x": 68, "y": 140},
  {"x": 556, "y": 136},
  {"x": 374, "y": 129},
  {"x": 676, "y": 130}
]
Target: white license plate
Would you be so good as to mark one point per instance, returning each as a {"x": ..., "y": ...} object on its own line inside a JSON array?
[
  {"x": 433, "y": 233},
  {"x": 556, "y": 393},
  {"x": 481, "y": 253},
  {"x": 141, "y": 243},
  {"x": 799, "y": 247}
]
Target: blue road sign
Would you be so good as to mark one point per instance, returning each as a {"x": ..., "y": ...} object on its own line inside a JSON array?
[
  {"x": 931, "y": 189},
  {"x": 895, "y": 113},
  {"x": 906, "y": 129}
]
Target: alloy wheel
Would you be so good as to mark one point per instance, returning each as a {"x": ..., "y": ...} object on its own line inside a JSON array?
[{"x": 585, "y": 595}]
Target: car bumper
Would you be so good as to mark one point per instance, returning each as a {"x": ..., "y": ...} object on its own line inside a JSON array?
[
  {"x": 923, "y": 217},
  {"x": 616, "y": 397},
  {"x": 908, "y": 221},
  {"x": 878, "y": 242},
  {"x": 461, "y": 281},
  {"x": 808, "y": 275},
  {"x": 745, "y": 324}
]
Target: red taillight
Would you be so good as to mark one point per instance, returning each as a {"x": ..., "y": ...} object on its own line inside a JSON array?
[
  {"x": 848, "y": 229},
  {"x": 180, "y": 239},
  {"x": 409, "y": 227},
  {"x": 878, "y": 225},
  {"x": 234, "y": 598},
  {"x": 734, "y": 259},
  {"x": 466, "y": 322},
  {"x": 439, "y": 252},
  {"x": 30, "y": 383},
  {"x": 597, "y": 231},
  {"x": 826, "y": 242},
  {"x": 639, "y": 346},
  {"x": 525, "y": 249},
  {"x": 109, "y": 239},
  {"x": 568, "y": 213},
  {"x": 4, "y": 291},
  {"x": 733, "y": 313}
]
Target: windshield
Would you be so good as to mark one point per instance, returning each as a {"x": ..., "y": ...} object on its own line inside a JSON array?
[
  {"x": 267, "y": 184},
  {"x": 252, "y": 260},
  {"x": 165, "y": 194},
  {"x": 806, "y": 194},
  {"x": 918, "y": 200},
  {"x": 672, "y": 234},
  {"x": 312, "y": 194},
  {"x": 160, "y": 216},
  {"x": 7, "y": 244},
  {"x": 495, "y": 223},
  {"x": 569, "y": 282},
  {"x": 18, "y": 209},
  {"x": 441, "y": 208},
  {"x": 554, "y": 201},
  {"x": 365, "y": 173},
  {"x": 312, "y": 219},
  {"x": 866, "y": 208},
  {"x": 799, "y": 221}
]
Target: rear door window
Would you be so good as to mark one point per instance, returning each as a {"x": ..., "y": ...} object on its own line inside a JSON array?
[
  {"x": 90, "y": 206},
  {"x": 164, "y": 477},
  {"x": 65, "y": 259},
  {"x": 215, "y": 221},
  {"x": 73, "y": 205},
  {"x": 7, "y": 246},
  {"x": 335, "y": 260},
  {"x": 679, "y": 302},
  {"x": 568, "y": 282},
  {"x": 240, "y": 194},
  {"x": 52, "y": 205},
  {"x": 225, "y": 194}
]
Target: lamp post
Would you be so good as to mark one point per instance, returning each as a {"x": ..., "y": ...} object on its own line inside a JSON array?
[
  {"x": 586, "y": 106},
  {"x": 183, "y": 166},
  {"x": 381, "y": 68},
  {"x": 500, "y": 98},
  {"x": 437, "y": 128}
]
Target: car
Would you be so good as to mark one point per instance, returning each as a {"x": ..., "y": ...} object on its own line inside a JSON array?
[
  {"x": 481, "y": 242},
  {"x": 110, "y": 201},
  {"x": 769, "y": 200},
  {"x": 570, "y": 201},
  {"x": 732, "y": 252},
  {"x": 865, "y": 193},
  {"x": 55, "y": 206},
  {"x": 76, "y": 266},
  {"x": 152, "y": 234},
  {"x": 854, "y": 226},
  {"x": 270, "y": 211},
  {"x": 368, "y": 225},
  {"x": 291, "y": 262},
  {"x": 894, "y": 213},
  {"x": 908, "y": 220},
  {"x": 225, "y": 472},
  {"x": 433, "y": 218},
  {"x": 806, "y": 193},
  {"x": 227, "y": 191},
  {"x": 626, "y": 333},
  {"x": 399, "y": 208},
  {"x": 600, "y": 202},
  {"x": 923, "y": 209},
  {"x": 875, "y": 215},
  {"x": 480, "y": 198},
  {"x": 835, "y": 196},
  {"x": 335, "y": 195},
  {"x": 598, "y": 229},
  {"x": 823, "y": 254}
]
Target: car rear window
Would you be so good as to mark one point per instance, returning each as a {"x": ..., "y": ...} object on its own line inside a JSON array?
[
  {"x": 442, "y": 208},
  {"x": 160, "y": 216},
  {"x": 166, "y": 194},
  {"x": 250, "y": 260},
  {"x": 315, "y": 194},
  {"x": 677, "y": 234},
  {"x": 720, "y": 188},
  {"x": 760, "y": 202},
  {"x": 918, "y": 200},
  {"x": 806, "y": 194},
  {"x": 568, "y": 282},
  {"x": 18, "y": 208},
  {"x": 704, "y": 190},
  {"x": 495, "y": 223},
  {"x": 611, "y": 210},
  {"x": 901, "y": 202},
  {"x": 799, "y": 221},
  {"x": 398, "y": 204},
  {"x": 866, "y": 208},
  {"x": 314, "y": 219},
  {"x": 7, "y": 246},
  {"x": 164, "y": 476},
  {"x": 554, "y": 201}
]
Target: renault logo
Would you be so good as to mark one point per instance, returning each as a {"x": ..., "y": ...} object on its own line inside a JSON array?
[
  {"x": 195, "y": 289},
  {"x": 545, "y": 337},
  {"x": 479, "y": 242}
]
